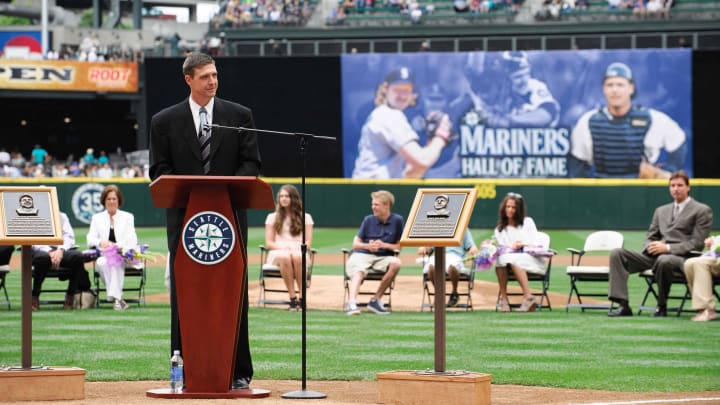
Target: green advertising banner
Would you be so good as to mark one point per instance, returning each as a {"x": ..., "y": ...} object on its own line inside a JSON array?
[{"x": 553, "y": 203}]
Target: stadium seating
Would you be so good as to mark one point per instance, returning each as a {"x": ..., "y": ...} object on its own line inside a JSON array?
[
  {"x": 442, "y": 14},
  {"x": 300, "y": 18},
  {"x": 598, "y": 11}
]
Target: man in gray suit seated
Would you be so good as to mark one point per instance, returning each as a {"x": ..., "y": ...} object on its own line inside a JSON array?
[{"x": 676, "y": 229}]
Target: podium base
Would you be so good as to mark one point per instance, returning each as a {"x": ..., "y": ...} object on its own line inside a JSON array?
[
  {"x": 422, "y": 387},
  {"x": 42, "y": 383},
  {"x": 247, "y": 393}
]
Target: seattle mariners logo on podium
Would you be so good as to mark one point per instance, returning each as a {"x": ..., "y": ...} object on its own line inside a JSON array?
[{"x": 208, "y": 237}]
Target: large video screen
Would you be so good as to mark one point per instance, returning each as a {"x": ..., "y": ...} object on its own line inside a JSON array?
[{"x": 544, "y": 114}]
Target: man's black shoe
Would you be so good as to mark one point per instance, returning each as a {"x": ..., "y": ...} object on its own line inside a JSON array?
[
  {"x": 660, "y": 312},
  {"x": 241, "y": 383},
  {"x": 621, "y": 311},
  {"x": 453, "y": 301}
]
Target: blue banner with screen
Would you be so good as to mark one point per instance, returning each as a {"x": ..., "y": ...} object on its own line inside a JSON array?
[{"x": 536, "y": 114}]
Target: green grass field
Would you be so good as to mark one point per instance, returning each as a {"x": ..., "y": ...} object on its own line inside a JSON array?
[{"x": 553, "y": 349}]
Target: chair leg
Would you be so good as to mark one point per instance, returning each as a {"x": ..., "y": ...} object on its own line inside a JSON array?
[
  {"x": 544, "y": 297},
  {"x": 389, "y": 291},
  {"x": 141, "y": 293},
  {"x": 468, "y": 301},
  {"x": 346, "y": 292},
  {"x": 426, "y": 295},
  {"x": 650, "y": 290},
  {"x": 573, "y": 288},
  {"x": 4, "y": 289},
  {"x": 683, "y": 301},
  {"x": 261, "y": 296}
]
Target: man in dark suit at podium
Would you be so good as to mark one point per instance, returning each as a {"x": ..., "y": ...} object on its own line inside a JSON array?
[{"x": 179, "y": 145}]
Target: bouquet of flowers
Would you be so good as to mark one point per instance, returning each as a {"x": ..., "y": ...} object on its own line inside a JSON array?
[
  {"x": 538, "y": 251},
  {"x": 488, "y": 254},
  {"x": 116, "y": 256},
  {"x": 714, "y": 250}
]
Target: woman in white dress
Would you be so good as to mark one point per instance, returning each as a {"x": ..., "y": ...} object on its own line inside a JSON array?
[
  {"x": 283, "y": 237},
  {"x": 514, "y": 232},
  {"x": 107, "y": 228}
]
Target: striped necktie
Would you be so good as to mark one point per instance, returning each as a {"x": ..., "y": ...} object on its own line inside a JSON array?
[{"x": 204, "y": 139}]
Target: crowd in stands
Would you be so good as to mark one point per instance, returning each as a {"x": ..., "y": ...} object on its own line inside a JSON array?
[
  {"x": 241, "y": 13},
  {"x": 415, "y": 9},
  {"x": 641, "y": 9},
  {"x": 95, "y": 53},
  {"x": 42, "y": 164},
  {"x": 91, "y": 49}
]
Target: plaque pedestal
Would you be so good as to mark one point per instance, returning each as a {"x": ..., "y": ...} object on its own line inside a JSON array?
[
  {"x": 42, "y": 384},
  {"x": 420, "y": 388}
]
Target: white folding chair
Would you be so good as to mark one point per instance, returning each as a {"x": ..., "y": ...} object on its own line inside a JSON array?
[{"x": 600, "y": 241}]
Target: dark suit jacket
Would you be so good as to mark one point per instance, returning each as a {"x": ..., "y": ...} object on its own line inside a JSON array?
[
  {"x": 174, "y": 149},
  {"x": 686, "y": 233}
]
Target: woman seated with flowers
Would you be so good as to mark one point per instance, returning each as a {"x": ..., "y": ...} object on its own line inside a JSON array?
[
  {"x": 112, "y": 232},
  {"x": 516, "y": 235}
]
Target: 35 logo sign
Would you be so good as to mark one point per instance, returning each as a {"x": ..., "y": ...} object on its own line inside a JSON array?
[{"x": 86, "y": 201}]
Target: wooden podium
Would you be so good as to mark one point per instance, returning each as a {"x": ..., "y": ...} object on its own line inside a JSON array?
[{"x": 210, "y": 269}]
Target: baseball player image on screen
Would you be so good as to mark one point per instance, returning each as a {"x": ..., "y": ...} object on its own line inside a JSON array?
[
  {"x": 388, "y": 146},
  {"x": 526, "y": 101},
  {"x": 623, "y": 139}
]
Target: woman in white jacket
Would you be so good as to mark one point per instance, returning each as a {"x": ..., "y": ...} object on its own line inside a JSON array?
[
  {"x": 107, "y": 228},
  {"x": 515, "y": 233}
]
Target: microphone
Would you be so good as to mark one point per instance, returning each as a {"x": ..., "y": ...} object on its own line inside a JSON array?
[
  {"x": 267, "y": 131},
  {"x": 207, "y": 127}
]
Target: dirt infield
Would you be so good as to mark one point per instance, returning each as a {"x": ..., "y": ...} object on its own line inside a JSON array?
[
  {"x": 326, "y": 292},
  {"x": 365, "y": 392}
]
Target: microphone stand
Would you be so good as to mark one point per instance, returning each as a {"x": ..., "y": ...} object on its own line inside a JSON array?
[{"x": 304, "y": 393}]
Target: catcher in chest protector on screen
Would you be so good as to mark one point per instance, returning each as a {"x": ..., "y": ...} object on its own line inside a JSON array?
[{"x": 623, "y": 139}]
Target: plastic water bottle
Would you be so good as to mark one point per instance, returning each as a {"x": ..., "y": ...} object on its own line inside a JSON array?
[{"x": 176, "y": 372}]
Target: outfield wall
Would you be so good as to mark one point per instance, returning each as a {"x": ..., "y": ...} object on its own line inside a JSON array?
[{"x": 554, "y": 204}]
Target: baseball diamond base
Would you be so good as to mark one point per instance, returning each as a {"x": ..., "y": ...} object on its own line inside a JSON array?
[
  {"x": 49, "y": 383},
  {"x": 427, "y": 387}
]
